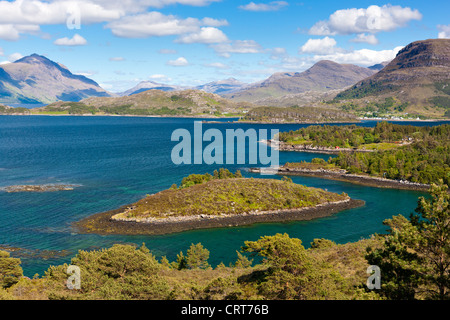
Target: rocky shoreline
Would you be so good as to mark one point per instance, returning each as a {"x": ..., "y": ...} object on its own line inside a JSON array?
[
  {"x": 283, "y": 146},
  {"x": 104, "y": 223},
  {"x": 342, "y": 175}
]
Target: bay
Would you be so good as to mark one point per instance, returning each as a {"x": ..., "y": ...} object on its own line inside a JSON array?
[{"x": 119, "y": 160}]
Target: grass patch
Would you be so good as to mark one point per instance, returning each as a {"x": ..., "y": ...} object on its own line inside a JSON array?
[{"x": 229, "y": 196}]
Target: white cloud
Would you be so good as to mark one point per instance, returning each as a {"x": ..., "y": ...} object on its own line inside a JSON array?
[
  {"x": 12, "y": 32},
  {"x": 237, "y": 46},
  {"x": 206, "y": 35},
  {"x": 210, "y": 22},
  {"x": 163, "y": 3},
  {"x": 154, "y": 23},
  {"x": 26, "y": 16},
  {"x": 272, "y": 6},
  {"x": 363, "y": 57},
  {"x": 444, "y": 31},
  {"x": 180, "y": 62},
  {"x": 15, "y": 56},
  {"x": 160, "y": 77},
  {"x": 371, "y": 20},
  {"x": 167, "y": 51},
  {"x": 117, "y": 59},
  {"x": 365, "y": 38},
  {"x": 87, "y": 74},
  {"x": 319, "y": 46},
  {"x": 277, "y": 53},
  {"x": 76, "y": 40},
  {"x": 217, "y": 65}
]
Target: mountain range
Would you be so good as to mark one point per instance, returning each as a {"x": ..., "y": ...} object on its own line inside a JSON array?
[
  {"x": 417, "y": 81},
  {"x": 323, "y": 76},
  {"x": 218, "y": 87},
  {"x": 36, "y": 79}
]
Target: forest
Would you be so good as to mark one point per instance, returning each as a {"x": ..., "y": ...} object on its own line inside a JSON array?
[
  {"x": 412, "y": 256},
  {"x": 416, "y": 154}
]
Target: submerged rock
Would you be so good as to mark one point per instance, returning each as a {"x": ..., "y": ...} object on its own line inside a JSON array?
[{"x": 39, "y": 188}]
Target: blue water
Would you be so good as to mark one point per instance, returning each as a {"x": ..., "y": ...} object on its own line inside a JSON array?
[{"x": 119, "y": 160}]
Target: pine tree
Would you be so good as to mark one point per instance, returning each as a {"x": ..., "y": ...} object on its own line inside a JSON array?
[{"x": 415, "y": 258}]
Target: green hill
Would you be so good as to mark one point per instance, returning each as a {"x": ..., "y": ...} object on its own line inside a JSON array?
[{"x": 151, "y": 102}]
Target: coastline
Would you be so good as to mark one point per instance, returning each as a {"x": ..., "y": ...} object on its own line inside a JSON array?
[
  {"x": 356, "y": 121},
  {"x": 104, "y": 224},
  {"x": 342, "y": 175},
  {"x": 115, "y": 115},
  {"x": 283, "y": 146}
]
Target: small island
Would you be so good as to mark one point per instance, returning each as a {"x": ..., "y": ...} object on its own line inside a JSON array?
[
  {"x": 39, "y": 188},
  {"x": 223, "y": 199}
]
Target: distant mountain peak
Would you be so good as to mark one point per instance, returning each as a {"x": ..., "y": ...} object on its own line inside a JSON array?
[
  {"x": 325, "y": 75},
  {"x": 150, "y": 85},
  {"x": 33, "y": 58},
  {"x": 37, "y": 79},
  {"x": 222, "y": 86}
]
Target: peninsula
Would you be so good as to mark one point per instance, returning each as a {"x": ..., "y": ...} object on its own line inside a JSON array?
[
  {"x": 220, "y": 200},
  {"x": 389, "y": 155}
]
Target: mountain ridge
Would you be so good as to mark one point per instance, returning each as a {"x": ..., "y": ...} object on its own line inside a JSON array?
[
  {"x": 37, "y": 79},
  {"x": 323, "y": 76}
]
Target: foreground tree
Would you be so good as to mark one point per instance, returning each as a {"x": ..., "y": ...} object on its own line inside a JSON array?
[
  {"x": 10, "y": 270},
  {"x": 118, "y": 273},
  {"x": 415, "y": 259}
]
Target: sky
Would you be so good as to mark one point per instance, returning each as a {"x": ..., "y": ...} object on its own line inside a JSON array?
[{"x": 119, "y": 43}]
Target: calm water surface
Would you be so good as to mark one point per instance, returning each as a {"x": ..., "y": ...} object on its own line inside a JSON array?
[{"x": 119, "y": 160}]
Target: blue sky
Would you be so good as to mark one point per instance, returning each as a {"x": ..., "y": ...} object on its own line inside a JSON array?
[{"x": 191, "y": 42}]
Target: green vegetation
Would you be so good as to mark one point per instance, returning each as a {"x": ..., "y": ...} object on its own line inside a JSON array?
[
  {"x": 413, "y": 258},
  {"x": 194, "y": 179},
  {"x": 297, "y": 114},
  {"x": 150, "y": 103},
  {"x": 227, "y": 193},
  {"x": 441, "y": 102},
  {"x": 415, "y": 255},
  {"x": 423, "y": 156},
  {"x": 368, "y": 88},
  {"x": 10, "y": 270},
  {"x": 353, "y": 136},
  {"x": 390, "y": 107},
  {"x": 78, "y": 108},
  {"x": 130, "y": 110},
  {"x": 8, "y": 110}
]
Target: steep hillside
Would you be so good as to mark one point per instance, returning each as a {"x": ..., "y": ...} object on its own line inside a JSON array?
[
  {"x": 36, "y": 79},
  {"x": 416, "y": 81}
]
